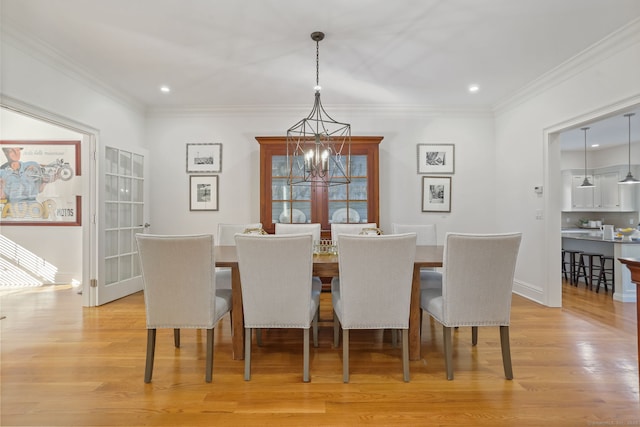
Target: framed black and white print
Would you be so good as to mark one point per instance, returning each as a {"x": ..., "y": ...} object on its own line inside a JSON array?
[
  {"x": 204, "y": 158},
  {"x": 436, "y": 158},
  {"x": 203, "y": 192},
  {"x": 436, "y": 194}
]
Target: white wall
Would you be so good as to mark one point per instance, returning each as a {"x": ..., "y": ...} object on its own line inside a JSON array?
[
  {"x": 45, "y": 85},
  {"x": 400, "y": 185},
  {"x": 602, "y": 82}
]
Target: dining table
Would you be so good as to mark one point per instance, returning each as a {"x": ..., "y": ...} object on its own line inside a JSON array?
[{"x": 327, "y": 265}]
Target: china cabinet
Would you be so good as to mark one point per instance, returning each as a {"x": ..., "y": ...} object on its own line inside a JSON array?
[{"x": 356, "y": 202}]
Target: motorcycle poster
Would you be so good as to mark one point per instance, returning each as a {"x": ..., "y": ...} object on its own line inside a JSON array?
[{"x": 40, "y": 183}]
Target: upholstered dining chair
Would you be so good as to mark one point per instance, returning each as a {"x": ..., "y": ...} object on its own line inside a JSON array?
[
  {"x": 180, "y": 289},
  {"x": 477, "y": 285},
  {"x": 275, "y": 271},
  {"x": 226, "y": 237},
  {"x": 374, "y": 288},
  {"x": 426, "y": 235},
  {"x": 314, "y": 229},
  {"x": 356, "y": 228}
]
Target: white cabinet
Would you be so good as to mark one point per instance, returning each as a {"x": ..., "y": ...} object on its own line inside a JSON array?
[
  {"x": 582, "y": 198},
  {"x": 606, "y": 196}
]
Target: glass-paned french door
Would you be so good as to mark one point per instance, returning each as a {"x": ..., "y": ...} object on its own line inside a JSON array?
[{"x": 124, "y": 214}]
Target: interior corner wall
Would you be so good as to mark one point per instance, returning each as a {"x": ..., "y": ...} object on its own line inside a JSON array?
[
  {"x": 400, "y": 184},
  {"x": 520, "y": 153},
  {"x": 42, "y": 84}
]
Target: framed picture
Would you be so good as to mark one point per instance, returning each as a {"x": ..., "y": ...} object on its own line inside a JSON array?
[
  {"x": 436, "y": 158},
  {"x": 203, "y": 193},
  {"x": 436, "y": 194},
  {"x": 39, "y": 183},
  {"x": 204, "y": 158}
]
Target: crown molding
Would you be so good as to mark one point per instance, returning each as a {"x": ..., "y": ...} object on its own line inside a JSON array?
[
  {"x": 48, "y": 55},
  {"x": 300, "y": 110},
  {"x": 614, "y": 43}
]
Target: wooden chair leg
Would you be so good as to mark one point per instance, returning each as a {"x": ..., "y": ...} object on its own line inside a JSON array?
[
  {"x": 315, "y": 328},
  {"x": 259, "y": 337},
  {"x": 405, "y": 355},
  {"x": 305, "y": 352},
  {"x": 176, "y": 337},
  {"x": 151, "y": 349},
  {"x": 336, "y": 330},
  {"x": 345, "y": 355},
  {"x": 474, "y": 335},
  {"x": 247, "y": 354},
  {"x": 448, "y": 351},
  {"x": 209, "y": 368},
  {"x": 506, "y": 352}
]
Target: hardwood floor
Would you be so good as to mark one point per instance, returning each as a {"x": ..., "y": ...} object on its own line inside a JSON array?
[{"x": 65, "y": 365}]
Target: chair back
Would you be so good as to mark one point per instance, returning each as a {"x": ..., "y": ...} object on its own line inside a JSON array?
[
  {"x": 275, "y": 272},
  {"x": 179, "y": 280},
  {"x": 376, "y": 273},
  {"x": 426, "y": 233},
  {"x": 227, "y": 232},
  {"x": 477, "y": 280},
  {"x": 338, "y": 229},
  {"x": 284, "y": 228}
]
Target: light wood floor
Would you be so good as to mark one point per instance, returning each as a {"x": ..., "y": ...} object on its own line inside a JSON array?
[{"x": 64, "y": 365}]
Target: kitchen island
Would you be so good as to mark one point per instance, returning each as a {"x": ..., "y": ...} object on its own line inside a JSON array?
[{"x": 592, "y": 241}]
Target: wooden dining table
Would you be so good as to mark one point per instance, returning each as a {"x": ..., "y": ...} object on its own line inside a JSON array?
[{"x": 328, "y": 266}]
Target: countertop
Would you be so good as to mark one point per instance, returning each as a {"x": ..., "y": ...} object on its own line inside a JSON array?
[{"x": 580, "y": 234}]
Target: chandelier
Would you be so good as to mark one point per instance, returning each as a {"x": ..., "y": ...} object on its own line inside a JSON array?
[{"x": 319, "y": 147}]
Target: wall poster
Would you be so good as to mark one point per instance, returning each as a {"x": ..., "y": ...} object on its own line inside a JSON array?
[{"x": 40, "y": 182}]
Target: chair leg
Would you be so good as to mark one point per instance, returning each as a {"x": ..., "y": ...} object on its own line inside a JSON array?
[
  {"x": 209, "y": 373},
  {"x": 474, "y": 335},
  {"x": 394, "y": 338},
  {"x": 448, "y": 351},
  {"x": 405, "y": 355},
  {"x": 345, "y": 355},
  {"x": 176, "y": 337},
  {"x": 259, "y": 337},
  {"x": 506, "y": 352},
  {"x": 247, "y": 354},
  {"x": 315, "y": 328},
  {"x": 151, "y": 349},
  {"x": 305, "y": 352},
  {"x": 336, "y": 330}
]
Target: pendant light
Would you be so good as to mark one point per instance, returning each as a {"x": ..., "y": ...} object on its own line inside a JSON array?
[
  {"x": 629, "y": 179},
  {"x": 319, "y": 147},
  {"x": 585, "y": 183}
]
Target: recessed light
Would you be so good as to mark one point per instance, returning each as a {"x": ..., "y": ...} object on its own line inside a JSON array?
[
  {"x": 595, "y": 145},
  {"x": 165, "y": 89},
  {"x": 473, "y": 88}
]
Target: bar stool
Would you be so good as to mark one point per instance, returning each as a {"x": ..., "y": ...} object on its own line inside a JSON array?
[
  {"x": 604, "y": 270},
  {"x": 581, "y": 269},
  {"x": 572, "y": 263},
  {"x": 582, "y": 265}
]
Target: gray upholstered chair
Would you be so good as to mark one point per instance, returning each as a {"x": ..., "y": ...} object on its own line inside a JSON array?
[
  {"x": 356, "y": 228},
  {"x": 374, "y": 289},
  {"x": 275, "y": 271},
  {"x": 314, "y": 229},
  {"x": 426, "y": 235},
  {"x": 226, "y": 237},
  {"x": 180, "y": 289},
  {"x": 477, "y": 284}
]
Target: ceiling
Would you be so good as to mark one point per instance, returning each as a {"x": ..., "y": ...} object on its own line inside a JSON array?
[{"x": 258, "y": 53}]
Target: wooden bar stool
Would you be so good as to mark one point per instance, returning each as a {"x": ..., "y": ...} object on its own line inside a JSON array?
[
  {"x": 604, "y": 271},
  {"x": 586, "y": 259},
  {"x": 572, "y": 263},
  {"x": 595, "y": 267}
]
